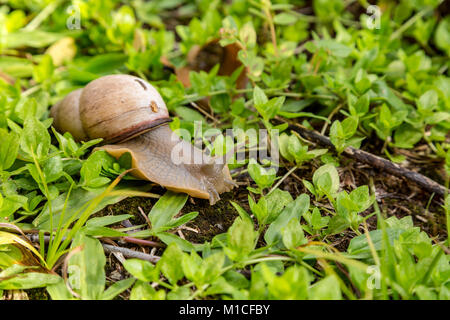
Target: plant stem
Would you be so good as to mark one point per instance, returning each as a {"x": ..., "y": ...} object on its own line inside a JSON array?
[
  {"x": 335, "y": 110},
  {"x": 409, "y": 23},
  {"x": 44, "y": 14},
  {"x": 282, "y": 179},
  {"x": 266, "y": 7}
]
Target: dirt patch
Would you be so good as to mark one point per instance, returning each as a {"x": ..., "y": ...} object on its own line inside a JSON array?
[
  {"x": 211, "y": 220},
  {"x": 395, "y": 197}
]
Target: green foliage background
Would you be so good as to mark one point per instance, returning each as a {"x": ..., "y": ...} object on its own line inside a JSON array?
[{"x": 364, "y": 78}]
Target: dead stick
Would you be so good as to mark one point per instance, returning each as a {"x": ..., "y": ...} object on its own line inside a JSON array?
[
  {"x": 375, "y": 161},
  {"x": 128, "y": 253}
]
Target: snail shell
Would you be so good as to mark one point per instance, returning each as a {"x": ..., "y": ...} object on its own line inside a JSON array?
[{"x": 130, "y": 113}]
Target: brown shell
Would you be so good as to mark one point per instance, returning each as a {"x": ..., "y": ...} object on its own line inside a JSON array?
[
  {"x": 123, "y": 109},
  {"x": 66, "y": 117},
  {"x": 137, "y": 108}
]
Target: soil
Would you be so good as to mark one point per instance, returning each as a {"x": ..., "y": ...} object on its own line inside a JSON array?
[{"x": 395, "y": 196}]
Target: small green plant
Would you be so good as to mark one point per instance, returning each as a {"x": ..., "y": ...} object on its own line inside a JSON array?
[
  {"x": 309, "y": 224},
  {"x": 86, "y": 267}
]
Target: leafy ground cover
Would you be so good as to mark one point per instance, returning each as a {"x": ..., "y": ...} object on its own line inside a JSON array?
[{"x": 313, "y": 224}]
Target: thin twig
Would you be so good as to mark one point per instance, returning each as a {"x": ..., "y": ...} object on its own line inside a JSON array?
[
  {"x": 282, "y": 179},
  {"x": 375, "y": 161},
  {"x": 325, "y": 125},
  {"x": 42, "y": 15},
  {"x": 206, "y": 114},
  {"x": 145, "y": 217},
  {"x": 143, "y": 242},
  {"x": 409, "y": 23},
  {"x": 128, "y": 253}
]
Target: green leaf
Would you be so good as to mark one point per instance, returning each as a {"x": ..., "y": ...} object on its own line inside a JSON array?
[
  {"x": 92, "y": 167},
  {"x": 247, "y": 34},
  {"x": 308, "y": 185},
  {"x": 271, "y": 108},
  {"x": 59, "y": 291},
  {"x": 276, "y": 201},
  {"x": 334, "y": 48},
  {"x": 166, "y": 208},
  {"x": 292, "y": 234},
  {"x": 189, "y": 114},
  {"x": 11, "y": 203},
  {"x": 52, "y": 169},
  {"x": 259, "y": 97},
  {"x": 35, "y": 139},
  {"x": 337, "y": 224},
  {"x": 428, "y": 101},
  {"x": 317, "y": 221},
  {"x": 331, "y": 184},
  {"x": 283, "y": 144},
  {"x": 349, "y": 126},
  {"x": 75, "y": 204},
  {"x": 169, "y": 238},
  {"x": 259, "y": 209},
  {"x": 44, "y": 70},
  {"x": 203, "y": 271},
  {"x": 241, "y": 239},
  {"x": 406, "y": 136},
  {"x": 191, "y": 264},
  {"x": 291, "y": 285},
  {"x": 87, "y": 267},
  {"x": 294, "y": 209},
  {"x": 285, "y": 18},
  {"x": 28, "y": 280},
  {"x": 326, "y": 289},
  {"x": 263, "y": 178},
  {"x": 8, "y": 149},
  {"x": 124, "y": 19},
  {"x": 144, "y": 291},
  {"x": 170, "y": 263},
  {"x": 16, "y": 67},
  {"x": 442, "y": 35},
  {"x": 35, "y": 38},
  {"x": 362, "y": 198},
  {"x": 179, "y": 293},
  {"x": 12, "y": 270},
  {"x": 107, "y": 220},
  {"x": 221, "y": 286},
  {"x": 294, "y": 147},
  {"x": 98, "y": 231},
  {"x": 242, "y": 213},
  {"x": 117, "y": 288},
  {"x": 181, "y": 220},
  {"x": 141, "y": 270}
]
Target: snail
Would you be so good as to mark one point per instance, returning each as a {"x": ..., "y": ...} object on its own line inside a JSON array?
[{"x": 131, "y": 116}]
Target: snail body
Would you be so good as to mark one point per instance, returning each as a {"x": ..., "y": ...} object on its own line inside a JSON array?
[{"x": 131, "y": 116}]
